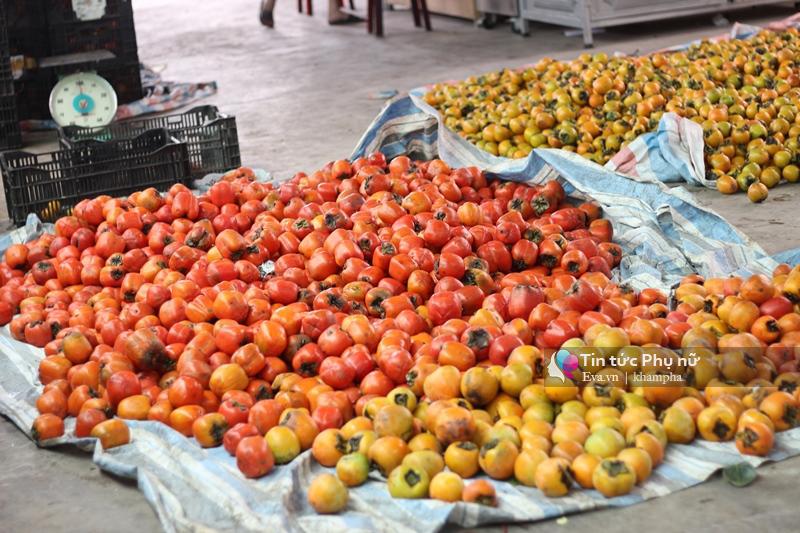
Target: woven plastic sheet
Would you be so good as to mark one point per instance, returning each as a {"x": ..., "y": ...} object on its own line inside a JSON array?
[{"x": 671, "y": 154}]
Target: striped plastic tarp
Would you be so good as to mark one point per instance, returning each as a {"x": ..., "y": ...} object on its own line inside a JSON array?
[{"x": 671, "y": 154}]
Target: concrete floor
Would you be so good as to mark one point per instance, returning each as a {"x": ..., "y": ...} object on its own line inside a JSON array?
[{"x": 302, "y": 94}]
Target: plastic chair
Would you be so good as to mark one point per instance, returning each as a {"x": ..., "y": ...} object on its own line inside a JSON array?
[{"x": 419, "y": 9}]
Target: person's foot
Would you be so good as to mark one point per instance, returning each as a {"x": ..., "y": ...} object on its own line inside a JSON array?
[
  {"x": 265, "y": 15},
  {"x": 344, "y": 18}
]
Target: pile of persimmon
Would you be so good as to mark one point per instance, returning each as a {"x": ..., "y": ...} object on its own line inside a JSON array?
[
  {"x": 156, "y": 306},
  {"x": 273, "y": 320},
  {"x": 508, "y": 419},
  {"x": 745, "y": 93},
  {"x": 754, "y": 320}
]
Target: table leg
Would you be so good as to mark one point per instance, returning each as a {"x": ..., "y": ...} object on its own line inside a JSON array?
[
  {"x": 379, "y": 17},
  {"x": 425, "y": 15}
]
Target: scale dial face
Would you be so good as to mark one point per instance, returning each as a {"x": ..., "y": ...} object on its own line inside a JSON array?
[{"x": 83, "y": 99}]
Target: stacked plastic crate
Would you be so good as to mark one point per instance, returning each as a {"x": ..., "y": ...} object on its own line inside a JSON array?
[
  {"x": 73, "y": 31},
  {"x": 9, "y": 122},
  {"x": 26, "y": 24},
  {"x": 45, "y": 28}
]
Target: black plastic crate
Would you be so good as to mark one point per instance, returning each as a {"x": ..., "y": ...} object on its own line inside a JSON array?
[
  {"x": 26, "y": 24},
  {"x": 9, "y": 123},
  {"x": 3, "y": 27},
  {"x": 28, "y": 43},
  {"x": 33, "y": 95},
  {"x": 24, "y": 33},
  {"x": 26, "y": 14},
  {"x": 9, "y": 120},
  {"x": 61, "y": 11},
  {"x": 6, "y": 76},
  {"x": 114, "y": 31},
  {"x": 51, "y": 184},
  {"x": 210, "y": 136}
]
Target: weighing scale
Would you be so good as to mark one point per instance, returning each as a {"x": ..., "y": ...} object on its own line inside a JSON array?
[{"x": 83, "y": 99}]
